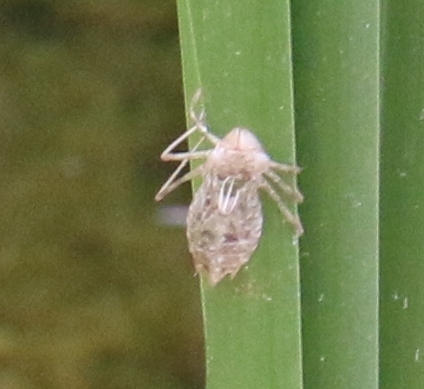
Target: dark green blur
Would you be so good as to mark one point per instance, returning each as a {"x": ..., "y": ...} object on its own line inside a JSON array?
[{"x": 94, "y": 292}]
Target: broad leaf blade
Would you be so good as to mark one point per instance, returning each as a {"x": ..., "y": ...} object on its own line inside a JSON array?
[
  {"x": 402, "y": 210},
  {"x": 336, "y": 68},
  {"x": 240, "y": 54}
]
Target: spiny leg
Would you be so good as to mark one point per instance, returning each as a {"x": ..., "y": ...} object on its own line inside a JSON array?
[
  {"x": 285, "y": 168},
  {"x": 164, "y": 190},
  {"x": 200, "y": 119},
  {"x": 285, "y": 187},
  {"x": 168, "y": 155},
  {"x": 169, "y": 186},
  {"x": 290, "y": 217},
  {"x": 185, "y": 157}
]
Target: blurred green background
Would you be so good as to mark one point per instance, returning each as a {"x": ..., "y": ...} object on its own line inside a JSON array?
[{"x": 95, "y": 291}]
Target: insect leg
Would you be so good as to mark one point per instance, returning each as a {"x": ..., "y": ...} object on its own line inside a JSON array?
[
  {"x": 193, "y": 154},
  {"x": 200, "y": 119},
  {"x": 290, "y": 217},
  {"x": 286, "y": 188},
  {"x": 170, "y": 185},
  {"x": 285, "y": 168},
  {"x": 168, "y": 155}
]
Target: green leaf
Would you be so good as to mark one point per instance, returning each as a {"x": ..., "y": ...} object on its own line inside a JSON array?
[
  {"x": 239, "y": 54},
  {"x": 336, "y": 73},
  {"x": 402, "y": 208}
]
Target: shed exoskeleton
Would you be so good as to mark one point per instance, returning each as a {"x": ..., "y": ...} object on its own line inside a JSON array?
[{"x": 224, "y": 222}]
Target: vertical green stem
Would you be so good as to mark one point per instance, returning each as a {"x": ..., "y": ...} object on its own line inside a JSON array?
[
  {"x": 336, "y": 69},
  {"x": 402, "y": 209},
  {"x": 239, "y": 53}
]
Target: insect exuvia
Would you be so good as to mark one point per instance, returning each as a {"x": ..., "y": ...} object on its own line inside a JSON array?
[{"x": 224, "y": 222}]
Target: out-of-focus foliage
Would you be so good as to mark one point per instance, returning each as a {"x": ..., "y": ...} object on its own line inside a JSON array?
[{"x": 90, "y": 92}]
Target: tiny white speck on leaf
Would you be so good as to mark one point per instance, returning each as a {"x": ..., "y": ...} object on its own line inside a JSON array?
[{"x": 405, "y": 304}]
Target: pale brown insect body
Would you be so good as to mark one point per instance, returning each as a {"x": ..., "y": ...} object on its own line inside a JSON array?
[
  {"x": 224, "y": 222},
  {"x": 222, "y": 241}
]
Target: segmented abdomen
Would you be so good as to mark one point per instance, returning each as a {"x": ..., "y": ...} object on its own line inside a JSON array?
[{"x": 220, "y": 242}]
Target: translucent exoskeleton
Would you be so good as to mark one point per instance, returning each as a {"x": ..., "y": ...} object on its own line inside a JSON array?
[{"x": 224, "y": 222}]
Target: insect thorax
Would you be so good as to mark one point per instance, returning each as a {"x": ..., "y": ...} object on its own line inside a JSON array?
[
  {"x": 222, "y": 242},
  {"x": 247, "y": 164}
]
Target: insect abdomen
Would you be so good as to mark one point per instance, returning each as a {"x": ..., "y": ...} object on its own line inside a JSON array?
[{"x": 221, "y": 243}]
